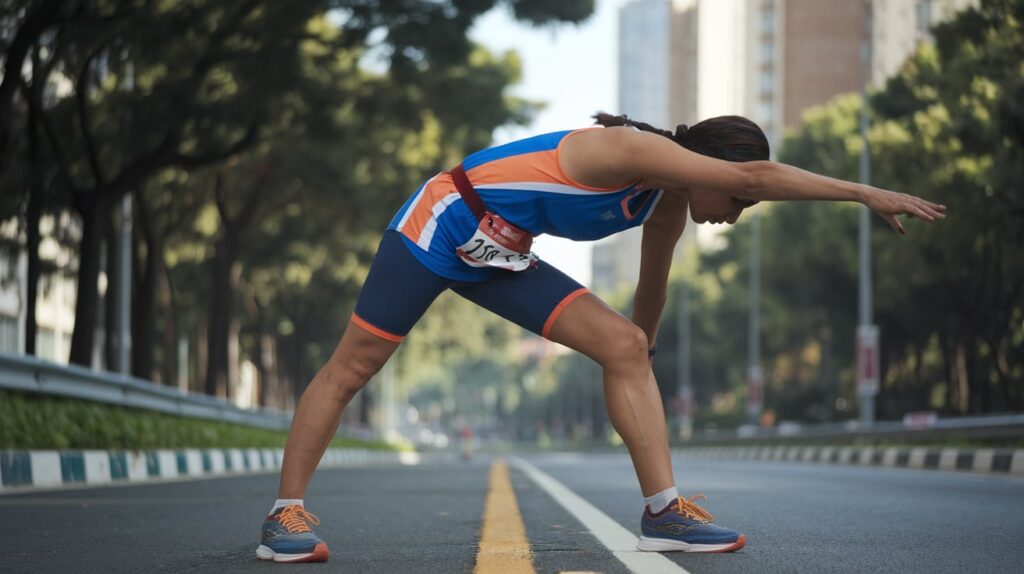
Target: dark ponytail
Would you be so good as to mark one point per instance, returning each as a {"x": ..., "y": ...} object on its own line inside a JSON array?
[{"x": 730, "y": 138}]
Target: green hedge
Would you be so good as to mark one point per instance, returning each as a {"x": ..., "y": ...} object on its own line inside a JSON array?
[{"x": 31, "y": 421}]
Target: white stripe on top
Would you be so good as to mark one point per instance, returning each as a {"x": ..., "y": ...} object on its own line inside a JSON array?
[
  {"x": 428, "y": 230},
  {"x": 657, "y": 198},
  {"x": 536, "y": 186},
  {"x": 415, "y": 201}
]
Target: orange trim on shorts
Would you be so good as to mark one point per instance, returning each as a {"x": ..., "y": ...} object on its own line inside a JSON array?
[
  {"x": 561, "y": 307},
  {"x": 361, "y": 323}
]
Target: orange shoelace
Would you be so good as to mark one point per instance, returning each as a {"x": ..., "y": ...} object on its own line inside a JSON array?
[
  {"x": 689, "y": 509},
  {"x": 295, "y": 517}
]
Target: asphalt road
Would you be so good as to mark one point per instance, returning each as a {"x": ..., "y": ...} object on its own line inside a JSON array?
[{"x": 427, "y": 518}]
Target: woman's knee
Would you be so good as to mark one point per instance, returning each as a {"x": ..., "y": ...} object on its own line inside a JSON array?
[
  {"x": 348, "y": 375},
  {"x": 624, "y": 345}
]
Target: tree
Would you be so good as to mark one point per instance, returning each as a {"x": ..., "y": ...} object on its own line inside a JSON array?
[{"x": 157, "y": 86}]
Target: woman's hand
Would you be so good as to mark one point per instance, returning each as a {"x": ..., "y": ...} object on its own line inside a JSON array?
[{"x": 889, "y": 204}]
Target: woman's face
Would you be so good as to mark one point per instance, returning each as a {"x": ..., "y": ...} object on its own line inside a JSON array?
[{"x": 712, "y": 207}]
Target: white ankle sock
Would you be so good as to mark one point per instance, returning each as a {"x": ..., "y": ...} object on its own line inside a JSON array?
[
  {"x": 282, "y": 502},
  {"x": 659, "y": 501}
]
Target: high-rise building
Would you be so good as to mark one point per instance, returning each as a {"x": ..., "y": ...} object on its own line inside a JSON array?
[
  {"x": 802, "y": 53},
  {"x": 683, "y": 63},
  {"x": 684, "y": 60},
  {"x": 643, "y": 95},
  {"x": 644, "y": 60},
  {"x": 899, "y": 27}
]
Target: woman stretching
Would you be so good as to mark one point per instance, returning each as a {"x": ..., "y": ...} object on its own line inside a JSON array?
[{"x": 470, "y": 229}]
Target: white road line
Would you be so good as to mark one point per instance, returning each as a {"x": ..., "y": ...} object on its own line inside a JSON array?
[{"x": 621, "y": 542}]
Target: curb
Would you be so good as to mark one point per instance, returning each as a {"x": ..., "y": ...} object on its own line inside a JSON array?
[
  {"x": 25, "y": 470},
  {"x": 982, "y": 460}
]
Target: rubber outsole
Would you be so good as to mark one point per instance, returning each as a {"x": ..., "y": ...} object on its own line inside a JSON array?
[
  {"x": 319, "y": 554},
  {"x": 664, "y": 545}
]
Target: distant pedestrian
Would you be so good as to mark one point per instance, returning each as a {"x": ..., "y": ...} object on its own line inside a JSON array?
[{"x": 470, "y": 230}]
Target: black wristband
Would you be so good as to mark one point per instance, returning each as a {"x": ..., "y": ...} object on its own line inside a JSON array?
[{"x": 651, "y": 351}]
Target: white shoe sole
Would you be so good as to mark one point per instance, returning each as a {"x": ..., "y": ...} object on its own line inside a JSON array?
[
  {"x": 265, "y": 553},
  {"x": 664, "y": 545}
]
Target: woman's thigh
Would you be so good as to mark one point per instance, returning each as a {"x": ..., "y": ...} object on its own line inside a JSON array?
[
  {"x": 552, "y": 304},
  {"x": 397, "y": 291},
  {"x": 532, "y": 299}
]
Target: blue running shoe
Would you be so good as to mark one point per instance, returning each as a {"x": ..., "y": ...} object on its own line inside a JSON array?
[
  {"x": 287, "y": 537},
  {"x": 684, "y": 526}
]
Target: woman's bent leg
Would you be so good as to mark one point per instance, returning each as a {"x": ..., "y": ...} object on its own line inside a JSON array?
[
  {"x": 358, "y": 356},
  {"x": 631, "y": 393}
]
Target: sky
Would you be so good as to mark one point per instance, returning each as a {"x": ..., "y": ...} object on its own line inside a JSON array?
[{"x": 573, "y": 69}]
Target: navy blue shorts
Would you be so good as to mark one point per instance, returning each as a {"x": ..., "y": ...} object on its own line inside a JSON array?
[{"x": 399, "y": 289}]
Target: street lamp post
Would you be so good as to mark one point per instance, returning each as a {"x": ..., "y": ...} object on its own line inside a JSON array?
[
  {"x": 755, "y": 374},
  {"x": 122, "y": 329},
  {"x": 684, "y": 397},
  {"x": 867, "y": 332}
]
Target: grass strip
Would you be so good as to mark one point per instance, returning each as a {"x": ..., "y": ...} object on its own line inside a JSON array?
[{"x": 37, "y": 421}]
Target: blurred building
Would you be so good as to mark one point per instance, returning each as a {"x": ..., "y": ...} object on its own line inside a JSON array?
[
  {"x": 648, "y": 81},
  {"x": 683, "y": 65},
  {"x": 802, "y": 53},
  {"x": 55, "y": 301},
  {"x": 899, "y": 27},
  {"x": 643, "y": 70},
  {"x": 12, "y": 320},
  {"x": 769, "y": 60},
  {"x": 644, "y": 60}
]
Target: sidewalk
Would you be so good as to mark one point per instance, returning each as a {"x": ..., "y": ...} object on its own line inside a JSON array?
[
  {"x": 985, "y": 460},
  {"x": 53, "y": 469}
]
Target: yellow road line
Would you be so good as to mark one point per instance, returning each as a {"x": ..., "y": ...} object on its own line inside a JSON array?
[{"x": 503, "y": 545}]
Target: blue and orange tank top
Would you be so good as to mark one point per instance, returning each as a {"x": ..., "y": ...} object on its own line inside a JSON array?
[{"x": 523, "y": 182}]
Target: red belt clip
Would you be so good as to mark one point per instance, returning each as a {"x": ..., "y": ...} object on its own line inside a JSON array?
[{"x": 502, "y": 232}]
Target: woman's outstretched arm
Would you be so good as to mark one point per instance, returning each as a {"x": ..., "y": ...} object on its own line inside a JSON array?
[{"x": 614, "y": 156}]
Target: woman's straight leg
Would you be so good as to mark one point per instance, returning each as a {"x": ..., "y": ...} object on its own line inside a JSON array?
[
  {"x": 358, "y": 356},
  {"x": 397, "y": 291}
]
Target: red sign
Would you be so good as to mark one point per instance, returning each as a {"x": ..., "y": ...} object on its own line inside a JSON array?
[
  {"x": 867, "y": 360},
  {"x": 755, "y": 390}
]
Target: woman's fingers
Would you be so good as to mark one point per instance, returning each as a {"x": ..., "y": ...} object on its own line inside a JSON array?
[
  {"x": 891, "y": 205},
  {"x": 917, "y": 211},
  {"x": 928, "y": 209},
  {"x": 940, "y": 212},
  {"x": 894, "y": 223}
]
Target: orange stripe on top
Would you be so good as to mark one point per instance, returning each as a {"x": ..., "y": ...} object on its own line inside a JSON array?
[
  {"x": 546, "y": 331},
  {"x": 539, "y": 167},
  {"x": 422, "y": 212},
  {"x": 362, "y": 324},
  {"x": 536, "y": 167}
]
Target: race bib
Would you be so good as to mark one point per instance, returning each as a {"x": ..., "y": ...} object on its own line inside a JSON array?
[{"x": 498, "y": 243}]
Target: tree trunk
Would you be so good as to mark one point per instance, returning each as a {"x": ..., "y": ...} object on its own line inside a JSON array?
[
  {"x": 37, "y": 19},
  {"x": 298, "y": 380},
  {"x": 170, "y": 331},
  {"x": 202, "y": 360},
  {"x": 95, "y": 213},
  {"x": 112, "y": 297},
  {"x": 267, "y": 361},
  {"x": 144, "y": 299},
  {"x": 947, "y": 359},
  {"x": 225, "y": 281},
  {"x": 32, "y": 216},
  {"x": 234, "y": 354},
  {"x": 34, "y": 209}
]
